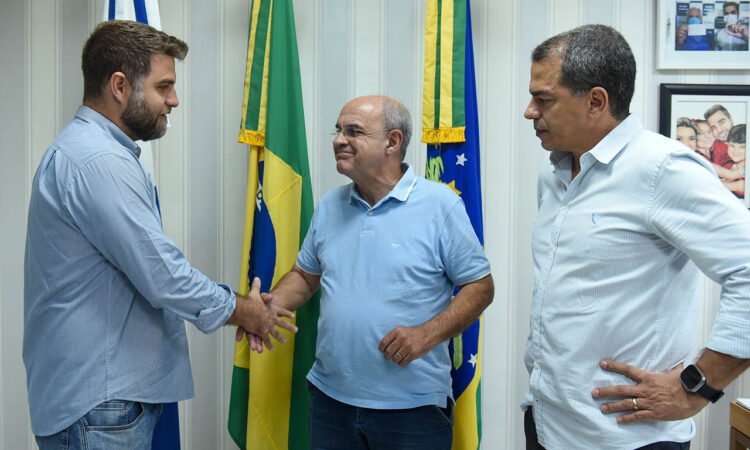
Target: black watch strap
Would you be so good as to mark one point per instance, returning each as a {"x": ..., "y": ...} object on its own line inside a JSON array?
[
  {"x": 709, "y": 393},
  {"x": 693, "y": 380}
]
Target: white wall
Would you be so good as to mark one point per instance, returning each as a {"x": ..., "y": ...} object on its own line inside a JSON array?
[{"x": 347, "y": 48}]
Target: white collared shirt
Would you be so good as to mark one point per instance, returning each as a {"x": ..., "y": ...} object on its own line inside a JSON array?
[{"x": 615, "y": 276}]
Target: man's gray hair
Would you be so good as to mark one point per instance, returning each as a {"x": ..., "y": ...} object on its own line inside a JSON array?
[
  {"x": 593, "y": 56},
  {"x": 397, "y": 117}
]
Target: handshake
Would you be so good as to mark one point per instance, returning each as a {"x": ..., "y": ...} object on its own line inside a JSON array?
[{"x": 257, "y": 317}]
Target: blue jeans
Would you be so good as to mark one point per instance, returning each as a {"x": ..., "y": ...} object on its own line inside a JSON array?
[
  {"x": 335, "y": 425},
  {"x": 116, "y": 424}
]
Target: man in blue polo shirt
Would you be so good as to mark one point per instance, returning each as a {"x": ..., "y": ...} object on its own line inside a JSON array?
[{"x": 387, "y": 250}]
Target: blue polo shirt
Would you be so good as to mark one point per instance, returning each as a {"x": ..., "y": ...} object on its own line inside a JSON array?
[{"x": 392, "y": 264}]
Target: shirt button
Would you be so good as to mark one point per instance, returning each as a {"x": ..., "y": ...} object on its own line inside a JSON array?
[
  {"x": 537, "y": 366},
  {"x": 536, "y": 325},
  {"x": 369, "y": 213}
]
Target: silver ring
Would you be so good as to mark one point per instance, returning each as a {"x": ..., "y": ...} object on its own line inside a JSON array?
[{"x": 635, "y": 404}]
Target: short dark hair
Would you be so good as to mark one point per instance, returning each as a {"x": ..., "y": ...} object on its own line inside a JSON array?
[
  {"x": 714, "y": 109},
  {"x": 724, "y": 8},
  {"x": 123, "y": 46},
  {"x": 593, "y": 56},
  {"x": 397, "y": 117},
  {"x": 737, "y": 134}
]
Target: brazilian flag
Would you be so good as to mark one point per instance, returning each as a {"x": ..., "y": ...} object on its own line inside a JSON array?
[
  {"x": 450, "y": 129},
  {"x": 269, "y": 400}
]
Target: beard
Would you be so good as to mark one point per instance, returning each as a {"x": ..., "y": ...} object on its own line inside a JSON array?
[{"x": 141, "y": 119}]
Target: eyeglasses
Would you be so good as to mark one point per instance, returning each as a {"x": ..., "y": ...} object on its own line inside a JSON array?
[{"x": 351, "y": 132}]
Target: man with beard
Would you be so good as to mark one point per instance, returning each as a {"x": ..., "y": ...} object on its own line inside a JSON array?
[
  {"x": 720, "y": 121},
  {"x": 106, "y": 292}
]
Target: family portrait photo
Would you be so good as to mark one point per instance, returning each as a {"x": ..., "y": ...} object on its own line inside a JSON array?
[{"x": 712, "y": 122}]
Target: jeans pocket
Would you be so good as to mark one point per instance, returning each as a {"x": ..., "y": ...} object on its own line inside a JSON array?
[
  {"x": 114, "y": 415},
  {"x": 445, "y": 414}
]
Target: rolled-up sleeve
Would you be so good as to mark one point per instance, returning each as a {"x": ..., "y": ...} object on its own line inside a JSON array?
[{"x": 693, "y": 211}]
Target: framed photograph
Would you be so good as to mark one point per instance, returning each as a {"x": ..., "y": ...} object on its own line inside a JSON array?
[
  {"x": 711, "y": 120},
  {"x": 702, "y": 34}
]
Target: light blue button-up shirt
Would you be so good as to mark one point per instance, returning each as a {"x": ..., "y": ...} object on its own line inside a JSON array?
[
  {"x": 105, "y": 291},
  {"x": 615, "y": 276},
  {"x": 395, "y": 263}
]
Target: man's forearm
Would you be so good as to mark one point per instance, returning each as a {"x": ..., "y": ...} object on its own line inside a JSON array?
[
  {"x": 721, "y": 369},
  {"x": 295, "y": 289},
  {"x": 463, "y": 310},
  {"x": 403, "y": 344}
]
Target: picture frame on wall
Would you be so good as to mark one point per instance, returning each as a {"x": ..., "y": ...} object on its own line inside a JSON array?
[
  {"x": 702, "y": 34},
  {"x": 711, "y": 120}
]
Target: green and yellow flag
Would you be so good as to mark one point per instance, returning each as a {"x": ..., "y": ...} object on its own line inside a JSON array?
[
  {"x": 443, "y": 112},
  {"x": 450, "y": 127},
  {"x": 269, "y": 400}
]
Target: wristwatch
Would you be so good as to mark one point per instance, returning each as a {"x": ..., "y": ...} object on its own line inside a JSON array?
[{"x": 693, "y": 380}]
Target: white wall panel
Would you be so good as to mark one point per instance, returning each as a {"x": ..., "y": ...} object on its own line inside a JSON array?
[
  {"x": 566, "y": 14},
  {"x": 367, "y": 51},
  {"x": 335, "y": 85},
  {"x": 401, "y": 71},
  {"x": 347, "y": 48},
  {"x": 43, "y": 75},
  {"x": 599, "y": 11},
  {"x": 500, "y": 101},
  {"x": 637, "y": 34},
  {"x": 204, "y": 206},
  {"x": 15, "y": 429}
]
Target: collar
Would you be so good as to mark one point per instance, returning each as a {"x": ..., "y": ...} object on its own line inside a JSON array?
[
  {"x": 400, "y": 192},
  {"x": 91, "y": 116},
  {"x": 611, "y": 145}
]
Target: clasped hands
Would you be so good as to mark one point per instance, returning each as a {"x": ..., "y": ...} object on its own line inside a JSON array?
[
  {"x": 658, "y": 395},
  {"x": 258, "y": 318}
]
